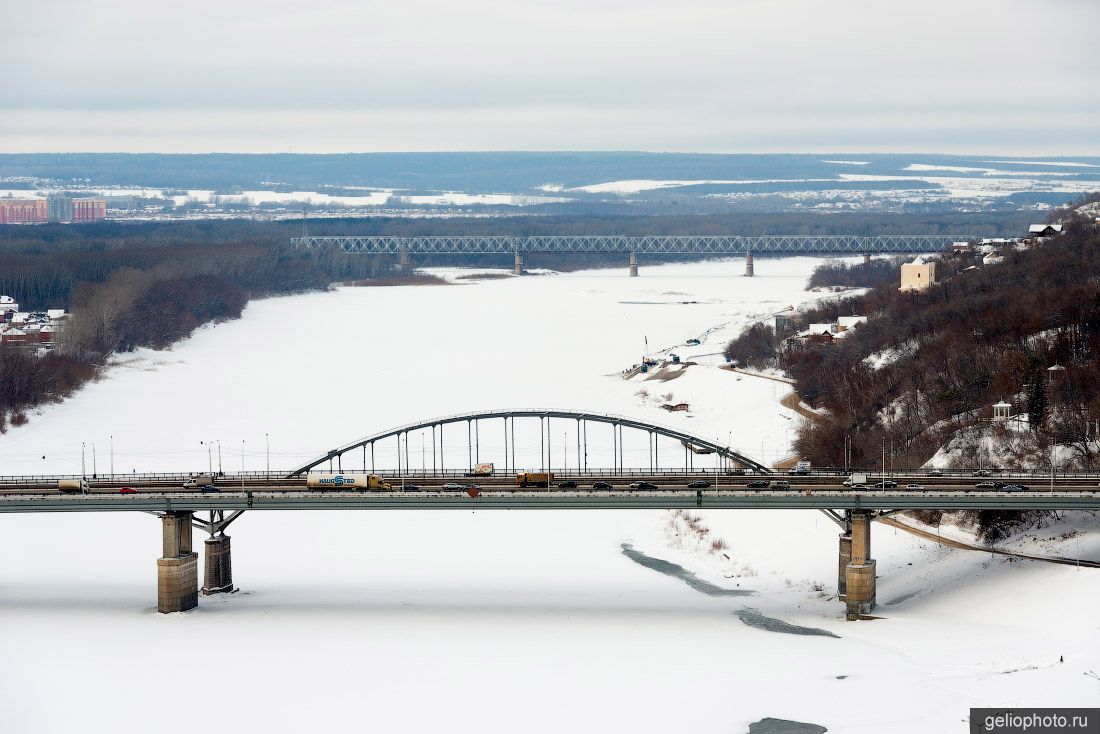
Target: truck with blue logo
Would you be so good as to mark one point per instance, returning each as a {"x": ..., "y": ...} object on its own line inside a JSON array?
[{"x": 346, "y": 482}]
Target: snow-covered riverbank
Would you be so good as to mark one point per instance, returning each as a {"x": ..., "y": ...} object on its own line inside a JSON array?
[{"x": 495, "y": 622}]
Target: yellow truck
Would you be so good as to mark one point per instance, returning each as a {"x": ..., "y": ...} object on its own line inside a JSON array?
[
  {"x": 73, "y": 486},
  {"x": 534, "y": 479},
  {"x": 346, "y": 481}
]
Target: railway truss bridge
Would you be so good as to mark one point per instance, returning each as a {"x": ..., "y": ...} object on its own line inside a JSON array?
[
  {"x": 704, "y": 245},
  {"x": 722, "y": 480}
]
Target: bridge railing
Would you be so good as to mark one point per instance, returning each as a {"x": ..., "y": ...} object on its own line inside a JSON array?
[{"x": 701, "y": 470}]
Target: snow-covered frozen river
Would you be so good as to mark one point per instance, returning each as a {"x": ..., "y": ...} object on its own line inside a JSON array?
[{"x": 482, "y": 621}]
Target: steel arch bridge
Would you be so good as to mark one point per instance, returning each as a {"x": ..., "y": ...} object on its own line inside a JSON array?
[
  {"x": 652, "y": 245},
  {"x": 691, "y": 443}
]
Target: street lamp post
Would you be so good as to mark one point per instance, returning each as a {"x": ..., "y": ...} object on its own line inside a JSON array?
[
  {"x": 242, "y": 464},
  {"x": 267, "y": 442},
  {"x": 882, "y": 482},
  {"x": 95, "y": 474},
  {"x": 220, "y": 472},
  {"x": 83, "y": 468},
  {"x": 112, "y": 456}
]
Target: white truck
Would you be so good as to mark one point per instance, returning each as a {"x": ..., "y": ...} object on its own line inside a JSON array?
[
  {"x": 481, "y": 470},
  {"x": 800, "y": 469},
  {"x": 347, "y": 481},
  {"x": 856, "y": 480},
  {"x": 198, "y": 481}
]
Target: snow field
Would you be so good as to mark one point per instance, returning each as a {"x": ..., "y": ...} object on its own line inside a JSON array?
[{"x": 494, "y": 621}]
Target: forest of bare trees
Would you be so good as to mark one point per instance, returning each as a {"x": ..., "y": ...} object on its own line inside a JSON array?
[{"x": 945, "y": 355}]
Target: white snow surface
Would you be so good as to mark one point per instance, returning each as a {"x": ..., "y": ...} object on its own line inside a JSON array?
[{"x": 506, "y": 621}]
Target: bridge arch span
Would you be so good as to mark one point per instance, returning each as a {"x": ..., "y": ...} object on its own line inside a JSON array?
[{"x": 693, "y": 443}]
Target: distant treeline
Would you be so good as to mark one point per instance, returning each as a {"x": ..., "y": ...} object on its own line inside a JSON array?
[{"x": 879, "y": 271}]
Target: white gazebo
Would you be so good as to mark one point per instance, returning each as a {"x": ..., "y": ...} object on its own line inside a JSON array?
[{"x": 1002, "y": 411}]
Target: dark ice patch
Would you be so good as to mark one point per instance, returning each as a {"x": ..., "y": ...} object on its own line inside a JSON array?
[
  {"x": 679, "y": 572},
  {"x": 783, "y": 726},
  {"x": 753, "y": 618}
]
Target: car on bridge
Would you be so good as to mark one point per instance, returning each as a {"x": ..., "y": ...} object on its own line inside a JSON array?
[
  {"x": 757, "y": 484},
  {"x": 127, "y": 490},
  {"x": 779, "y": 484},
  {"x": 916, "y": 487},
  {"x": 982, "y": 473},
  {"x": 886, "y": 484},
  {"x": 643, "y": 485},
  {"x": 936, "y": 473},
  {"x": 699, "y": 484},
  {"x": 1015, "y": 488},
  {"x": 601, "y": 485},
  {"x": 453, "y": 487},
  {"x": 208, "y": 489},
  {"x": 988, "y": 485},
  {"x": 567, "y": 484}
]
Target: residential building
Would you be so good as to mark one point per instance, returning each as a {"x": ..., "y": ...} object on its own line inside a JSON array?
[
  {"x": 89, "y": 210},
  {"x": 1044, "y": 230},
  {"x": 22, "y": 211},
  {"x": 918, "y": 275},
  {"x": 59, "y": 208}
]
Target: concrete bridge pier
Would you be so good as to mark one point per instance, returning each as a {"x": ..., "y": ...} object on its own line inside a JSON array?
[
  {"x": 217, "y": 566},
  {"x": 866, "y": 258},
  {"x": 178, "y": 569},
  {"x": 518, "y": 268},
  {"x": 859, "y": 573},
  {"x": 633, "y": 265},
  {"x": 404, "y": 259},
  {"x": 842, "y": 566},
  {"x": 748, "y": 264}
]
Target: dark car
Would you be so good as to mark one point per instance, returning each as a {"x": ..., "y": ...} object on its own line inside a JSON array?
[
  {"x": 601, "y": 485},
  {"x": 936, "y": 473},
  {"x": 886, "y": 484},
  {"x": 208, "y": 489},
  {"x": 699, "y": 484},
  {"x": 1015, "y": 488},
  {"x": 567, "y": 484},
  {"x": 643, "y": 485},
  {"x": 411, "y": 487},
  {"x": 757, "y": 484},
  {"x": 127, "y": 490},
  {"x": 737, "y": 472},
  {"x": 780, "y": 484},
  {"x": 982, "y": 473}
]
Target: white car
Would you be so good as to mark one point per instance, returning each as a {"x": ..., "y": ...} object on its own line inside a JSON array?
[{"x": 914, "y": 486}]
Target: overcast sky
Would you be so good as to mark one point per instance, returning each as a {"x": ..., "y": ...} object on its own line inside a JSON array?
[{"x": 1011, "y": 77}]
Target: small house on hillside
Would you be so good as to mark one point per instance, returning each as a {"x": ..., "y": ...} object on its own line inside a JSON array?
[
  {"x": 844, "y": 323},
  {"x": 1044, "y": 230}
]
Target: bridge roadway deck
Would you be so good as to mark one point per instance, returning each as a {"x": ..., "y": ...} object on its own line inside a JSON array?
[
  {"x": 651, "y": 244},
  {"x": 297, "y": 498}
]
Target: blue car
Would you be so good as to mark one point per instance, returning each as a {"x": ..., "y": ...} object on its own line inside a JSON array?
[{"x": 208, "y": 489}]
